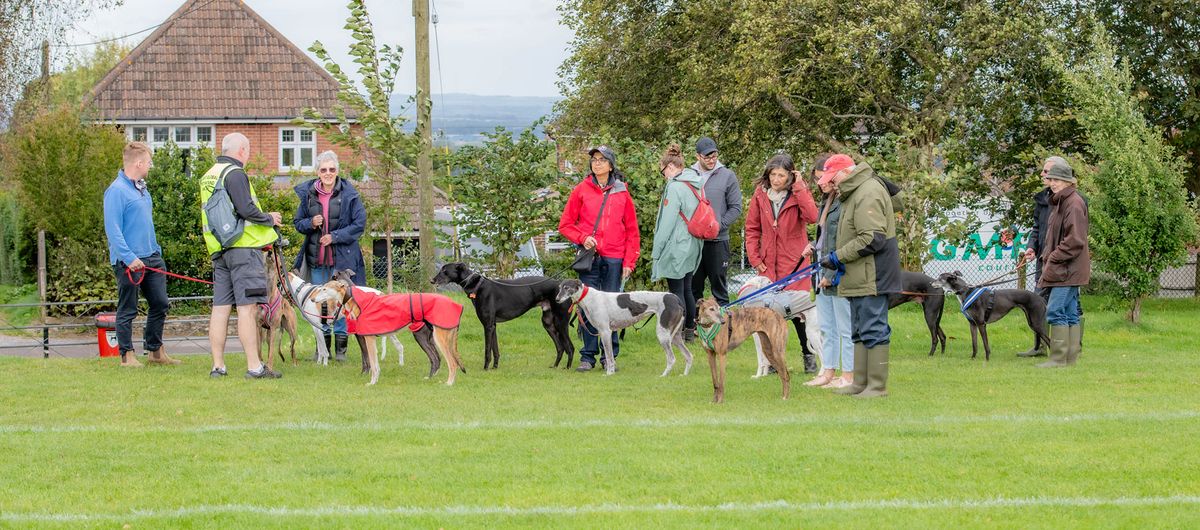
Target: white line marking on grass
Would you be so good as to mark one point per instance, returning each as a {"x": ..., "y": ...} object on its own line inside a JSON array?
[
  {"x": 317, "y": 426},
  {"x": 452, "y": 511}
]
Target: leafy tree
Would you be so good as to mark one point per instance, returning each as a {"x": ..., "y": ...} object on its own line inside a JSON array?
[
  {"x": 1140, "y": 222},
  {"x": 1157, "y": 39},
  {"x": 176, "y": 194},
  {"x": 495, "y": 185},
  {"x": 60, "y": 169},
  {"x": 381, "y": 141},
  {"x": 23, "y": 26}
]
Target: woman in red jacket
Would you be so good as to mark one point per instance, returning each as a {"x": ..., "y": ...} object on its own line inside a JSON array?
[
  {"x": 613, "y": 232},
  {"x": 777, "y": 231}
]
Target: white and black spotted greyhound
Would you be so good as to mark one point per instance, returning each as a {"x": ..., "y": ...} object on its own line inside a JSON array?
[{"x": 608, "y": 312}]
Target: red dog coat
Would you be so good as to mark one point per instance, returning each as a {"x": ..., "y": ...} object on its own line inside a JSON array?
[{"x": 380, "y": 314}]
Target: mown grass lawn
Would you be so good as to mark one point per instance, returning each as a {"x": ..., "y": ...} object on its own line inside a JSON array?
[{"x": 960, "y": 442}]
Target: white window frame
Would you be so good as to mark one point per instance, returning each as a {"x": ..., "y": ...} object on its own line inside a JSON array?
[
  {"x": 193, "y": 130},
  {"x": 297, "y": 146}
]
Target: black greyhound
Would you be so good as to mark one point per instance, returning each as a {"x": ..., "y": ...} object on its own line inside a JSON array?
[
  {"x": 498, "y": 301},
  {"x": 984, "y": 306},
  {"x": 919, "y": 288}
]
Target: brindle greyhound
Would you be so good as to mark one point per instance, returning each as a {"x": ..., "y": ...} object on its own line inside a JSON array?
[
  {"x": 984, "y": 306},
  {"x": 721, "y": 331},
  {"x": 275, "y": 317},
  {"x": 342, "y": 291}
]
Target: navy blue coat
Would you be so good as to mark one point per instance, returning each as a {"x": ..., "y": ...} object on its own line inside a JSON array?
[{"x": 346, "y": 228}]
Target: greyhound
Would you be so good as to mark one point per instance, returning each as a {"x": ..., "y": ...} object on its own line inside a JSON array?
[
  {"x": 500, "y": 301},
  {"x": 370, "y": 313},
  {"x": 790, "y": 304},
  {"x": 611, "y": 311},
  {"x": 723, "y": 330},
  {"x": 982, "y": 306},
  {"x": 274, "y": 318},
  {"x": 919, "y": 288}
]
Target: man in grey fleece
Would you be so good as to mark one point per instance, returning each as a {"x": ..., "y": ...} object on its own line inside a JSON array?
[{"x": 723, "y": 191}]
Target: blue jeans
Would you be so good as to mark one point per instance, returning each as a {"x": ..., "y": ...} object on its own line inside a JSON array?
[
  {"x": 321, "y": 275},
  {"x": 834, "y": 312},
  {"x": 1063, "y": 307},
  {"x": 869, "y": 316},
  {"x": 605, "y": 276}
]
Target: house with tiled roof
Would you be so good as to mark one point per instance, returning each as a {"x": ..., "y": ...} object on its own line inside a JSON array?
[{"x": 215, "y": 67}]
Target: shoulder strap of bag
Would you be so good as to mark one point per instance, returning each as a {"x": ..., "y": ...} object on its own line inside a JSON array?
[{"x": 596, "y": 225}]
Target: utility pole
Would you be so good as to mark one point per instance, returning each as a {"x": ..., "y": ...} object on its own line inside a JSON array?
[
  {"x": 425, "y": 130},
  {"x": 45, "y": 84}
]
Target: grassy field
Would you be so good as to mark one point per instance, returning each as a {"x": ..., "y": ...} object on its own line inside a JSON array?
[{"x": 1110, "y": 443}]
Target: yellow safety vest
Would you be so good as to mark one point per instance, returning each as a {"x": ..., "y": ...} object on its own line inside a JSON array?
[{"x": 253, "y": 235}]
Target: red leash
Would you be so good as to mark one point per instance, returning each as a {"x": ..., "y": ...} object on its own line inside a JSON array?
[{"x": 129, "y": 273}]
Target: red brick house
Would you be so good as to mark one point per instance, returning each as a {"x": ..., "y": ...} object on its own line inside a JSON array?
[{"x": 216, "y": 67}]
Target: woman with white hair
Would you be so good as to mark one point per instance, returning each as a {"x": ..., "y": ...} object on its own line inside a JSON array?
[{"x": 332, "y": 218}]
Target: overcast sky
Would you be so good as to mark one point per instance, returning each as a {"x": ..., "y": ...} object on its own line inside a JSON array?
[{"x": 488, "y": 47}]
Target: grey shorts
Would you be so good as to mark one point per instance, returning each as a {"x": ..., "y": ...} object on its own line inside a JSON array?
[{"x": 239, "y": 277}]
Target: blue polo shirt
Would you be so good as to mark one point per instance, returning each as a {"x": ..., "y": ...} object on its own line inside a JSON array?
[{"x": 128, "y": 221}]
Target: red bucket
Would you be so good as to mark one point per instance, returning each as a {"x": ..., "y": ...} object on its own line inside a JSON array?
[{"x": 106, "y": 335}]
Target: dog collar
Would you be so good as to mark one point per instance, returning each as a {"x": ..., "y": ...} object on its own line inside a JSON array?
[
  {"x": 582, "y": 294},
  {"x": 708, "y": 336}
]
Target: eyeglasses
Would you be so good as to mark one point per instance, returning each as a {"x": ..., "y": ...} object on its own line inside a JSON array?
[
  {"x": 328, "y": 170},
  {"x": 598, "y": 159}
]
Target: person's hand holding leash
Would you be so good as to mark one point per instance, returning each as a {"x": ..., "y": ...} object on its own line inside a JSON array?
[
  {"x": 830, "y": 262},
  {"x": 136, "y": 265},
  {"x": 277, "y": 218},
  {"x": 589, "y": 242},
  {"x": 317, "y": 221},
  {"x": 808, "y": 251},
  {"x": 625, "y": 272}
]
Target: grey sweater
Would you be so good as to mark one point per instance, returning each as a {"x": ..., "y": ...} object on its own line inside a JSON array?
[{"x": 722, "y": 190}]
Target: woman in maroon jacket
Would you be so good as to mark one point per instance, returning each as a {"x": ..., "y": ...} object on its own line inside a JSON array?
[
  {"x": 777, "y": 231},
  {"x": 613, "y": 232}
]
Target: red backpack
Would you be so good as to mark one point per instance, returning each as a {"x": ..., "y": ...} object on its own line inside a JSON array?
[{"x": 703, "y": 224}]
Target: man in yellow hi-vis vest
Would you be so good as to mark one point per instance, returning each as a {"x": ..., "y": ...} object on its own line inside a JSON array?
[{"x": 239, "y": 273}]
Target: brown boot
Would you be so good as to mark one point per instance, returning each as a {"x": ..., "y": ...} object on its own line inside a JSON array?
[
  {"x": 160, "y": 356},
  {"x": 129, "y": 359}
]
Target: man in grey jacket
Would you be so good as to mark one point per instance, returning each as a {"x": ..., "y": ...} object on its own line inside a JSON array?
[{"x": 723, "y": 191}]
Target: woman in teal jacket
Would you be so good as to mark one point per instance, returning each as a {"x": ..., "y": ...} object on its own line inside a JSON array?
[{"x": 676, "y": 252}]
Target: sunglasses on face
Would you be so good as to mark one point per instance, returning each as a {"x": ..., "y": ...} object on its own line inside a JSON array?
[{"x": 328, "y": 170}]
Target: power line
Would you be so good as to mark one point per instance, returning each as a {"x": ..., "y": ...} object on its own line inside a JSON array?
[{"x": 139, "y": 32}]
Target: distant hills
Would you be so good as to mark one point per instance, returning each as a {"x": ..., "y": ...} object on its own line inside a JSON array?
[{"x": 460, "y": 119}]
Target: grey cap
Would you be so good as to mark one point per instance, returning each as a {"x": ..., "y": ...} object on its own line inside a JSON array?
[
  {"x": 706, "y": 146},
  {"x": 1060, "y": 169},
  {"x": 606, "y": 153}
]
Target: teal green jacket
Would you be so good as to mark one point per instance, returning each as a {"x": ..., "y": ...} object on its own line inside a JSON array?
[{"x": 676, "y": 252}]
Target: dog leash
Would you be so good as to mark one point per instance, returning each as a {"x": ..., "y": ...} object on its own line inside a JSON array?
[
  {"x": 777, "y": 285},
  {"x": 129, "y": 273}
]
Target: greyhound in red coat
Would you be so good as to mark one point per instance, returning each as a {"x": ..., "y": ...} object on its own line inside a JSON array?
[{"x": 370, "y": 313}]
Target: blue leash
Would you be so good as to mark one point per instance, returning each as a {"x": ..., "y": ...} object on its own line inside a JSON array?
[{"x": 794, "y": 277}]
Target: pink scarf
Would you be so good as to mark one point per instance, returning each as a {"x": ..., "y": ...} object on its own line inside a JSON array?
[{"x": 324, "y": 254}]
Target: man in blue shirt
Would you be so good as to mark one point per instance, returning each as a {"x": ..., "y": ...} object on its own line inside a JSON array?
[{"x": 132, "y": 247}]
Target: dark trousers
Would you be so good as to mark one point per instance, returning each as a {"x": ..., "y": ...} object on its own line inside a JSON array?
[
  {"x": 869, "y": 320},
  {"x": 714, "y": 261},
  {"x": 154, "y": 287},
  {"x": 605, "y": 276},
  {"x": 683, "y": 289}
]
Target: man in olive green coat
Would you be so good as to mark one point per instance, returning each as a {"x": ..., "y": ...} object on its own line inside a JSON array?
[{"x": 868, "y": 260}]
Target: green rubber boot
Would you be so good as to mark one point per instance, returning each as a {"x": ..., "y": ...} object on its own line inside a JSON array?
[
  {"x": 1075, "y": 344},
  {"x": 1060, "y": 337},
  {"x": 877, "y": 372},
  {"x": 860, "y": 372}
]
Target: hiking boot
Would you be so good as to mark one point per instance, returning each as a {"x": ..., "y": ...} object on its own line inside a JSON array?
[
  {"x": 1074, "y": 344},
  {"x": 160, "y": 356},
  {"x": 340, "y": 348},
  {"x": 129, "y": 359},
  {"x": 1060, "y": 337},
  {"x": 810, "y": 362},
  {"x": 584, "y": 367},
  {"x": 689, "y": 334},
  {"x": 860, "y": 372},
  {"x": 217, "y": 372},
  {"x": 877, "y": 372},
  {"x": 263, "y": 373}
]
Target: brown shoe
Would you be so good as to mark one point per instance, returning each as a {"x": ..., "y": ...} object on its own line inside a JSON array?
[
  {"x": 129, "y": 359},
  {"x": 160, "y": 356}
]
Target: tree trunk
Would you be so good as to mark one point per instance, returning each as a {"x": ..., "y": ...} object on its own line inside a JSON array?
[{"x": 1135, "y": 311}]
